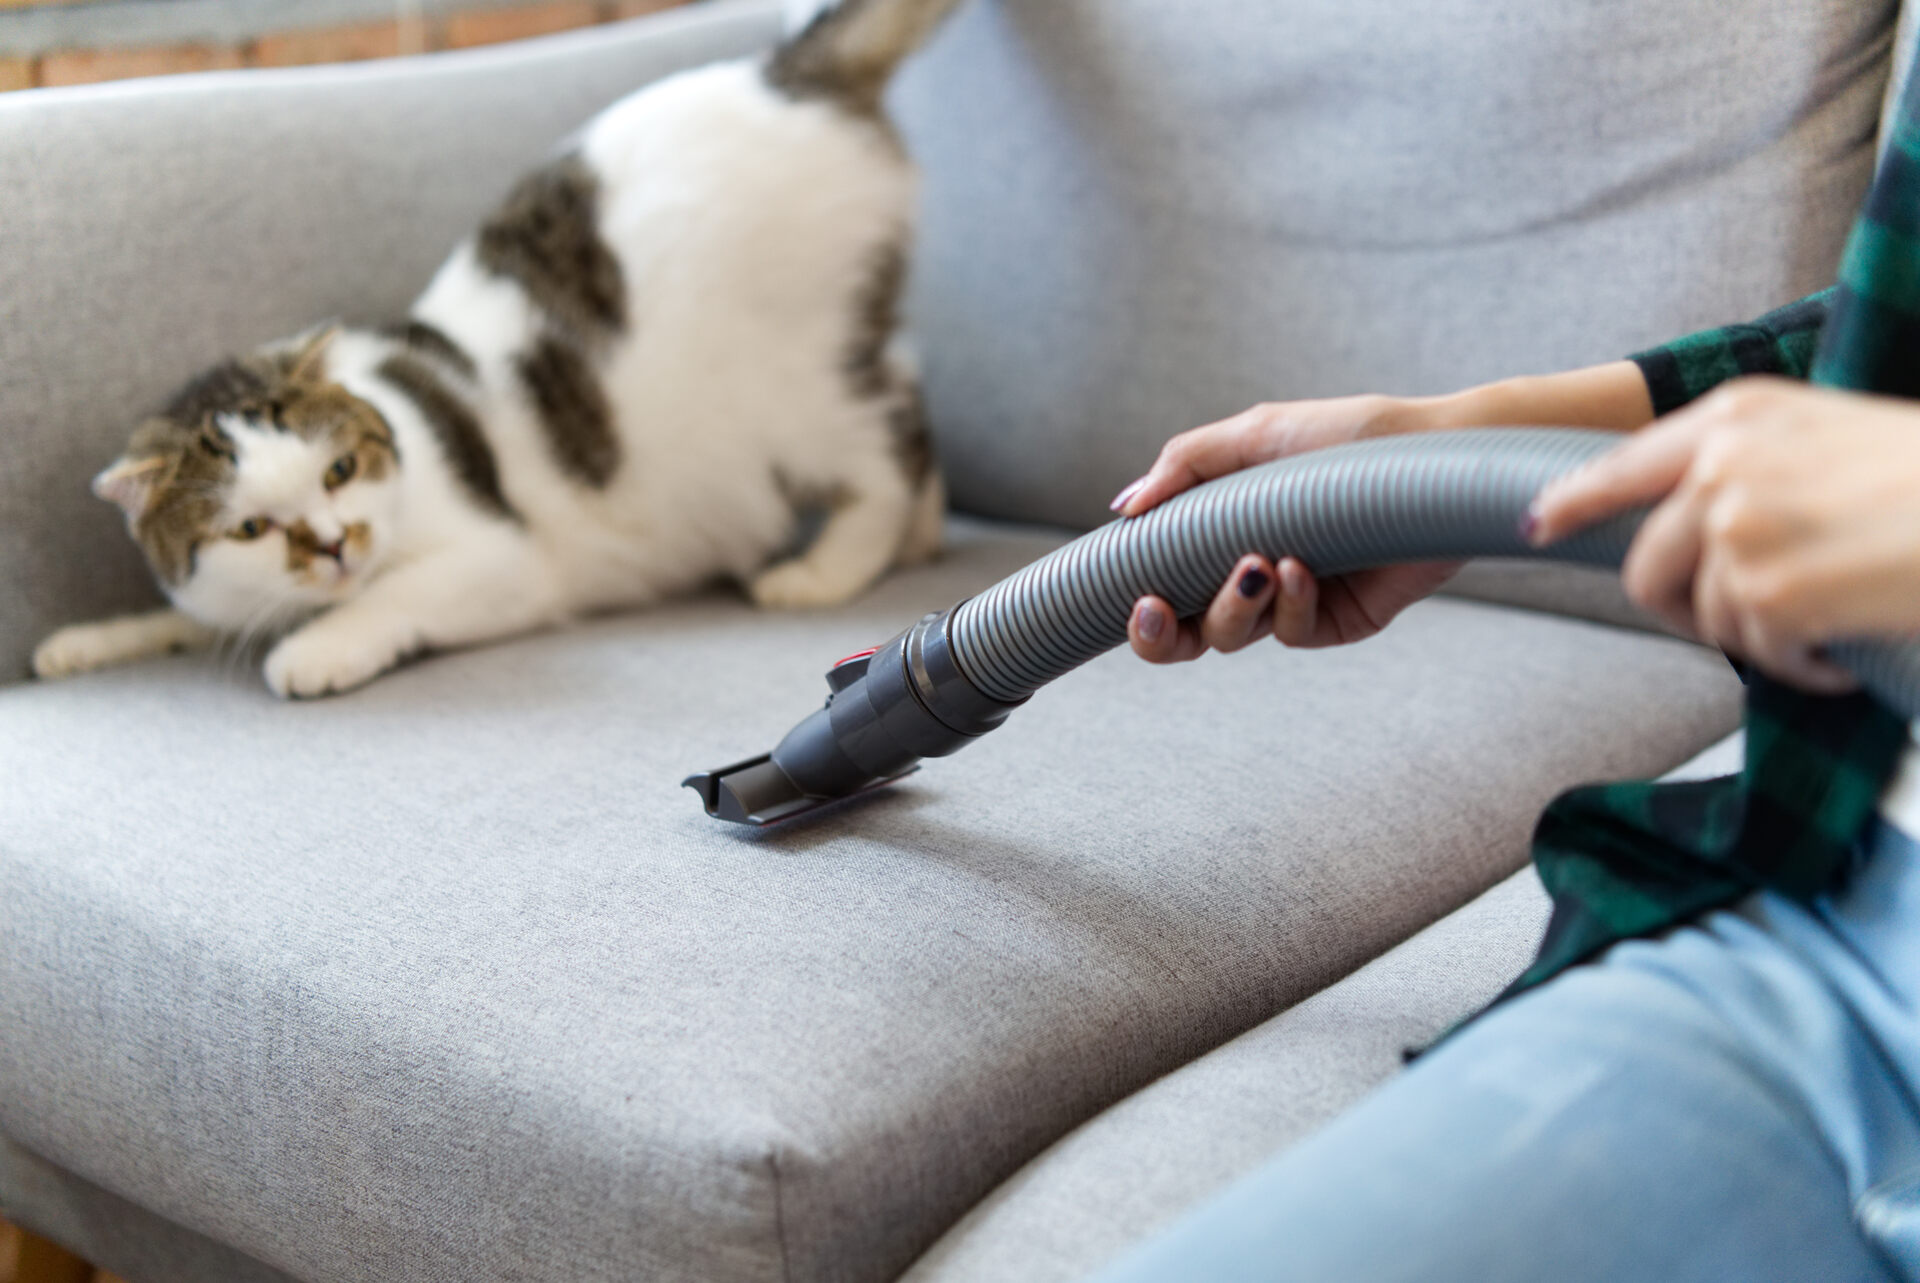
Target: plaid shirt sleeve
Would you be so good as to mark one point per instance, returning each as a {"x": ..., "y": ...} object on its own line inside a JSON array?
[
  {"x": 1873, "y": 341},
  {"x": 1781, "y": 342}
]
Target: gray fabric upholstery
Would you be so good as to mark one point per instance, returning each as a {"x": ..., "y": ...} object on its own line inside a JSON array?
[
  {"x": 449, "y": 979},
  {"x": 112, "y": 1233},
  {"x": 1581, "y": 592},
  {"x": 150, "y": 228},
  {"x": 1134, "y": 1169},
  {"x": 1137, "y": 222}
]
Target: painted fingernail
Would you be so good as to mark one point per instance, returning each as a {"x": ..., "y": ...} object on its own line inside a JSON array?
[
  {"x": 1153, "y": 622},
  {"x": 1120, "y": 500},
  {"x": 1530, "y": 524},
  {"x": 1253, "y": 583}
]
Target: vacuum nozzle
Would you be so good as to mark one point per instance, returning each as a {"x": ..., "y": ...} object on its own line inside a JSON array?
[
  {"x": 886, "y": 709},
  {"x": 751, "y": 792}
]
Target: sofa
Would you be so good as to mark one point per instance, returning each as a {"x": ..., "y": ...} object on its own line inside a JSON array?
[{"x": 449, "y": 979}]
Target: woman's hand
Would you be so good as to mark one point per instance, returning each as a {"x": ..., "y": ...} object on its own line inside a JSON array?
[
  {"x": 1284, "y": 600},
  {"x": 1261, "y": 598},
  {"x": 1788, "y": 516}
]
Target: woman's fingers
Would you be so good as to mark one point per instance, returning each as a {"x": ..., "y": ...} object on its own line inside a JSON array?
[
  {"x": 1661, "y": 564},
  {"x": 1239, "y": 611},
  {"x": 1157, "y": 637},
  {"x": 1642, "y": 470},
  {"x": 1725, "y": 617},
  {"x": 1197, "y": 455},
  {"x": 1296, "y": 610},
  {"x": 1237, "y": 615},
  {"x": 1347, "y": 608}
]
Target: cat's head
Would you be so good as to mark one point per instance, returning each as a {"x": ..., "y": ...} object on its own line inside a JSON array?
[{"x": 263, "y": 491}]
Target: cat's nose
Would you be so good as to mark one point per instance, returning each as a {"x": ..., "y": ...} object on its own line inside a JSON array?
[{"x": 333, "y": 550}]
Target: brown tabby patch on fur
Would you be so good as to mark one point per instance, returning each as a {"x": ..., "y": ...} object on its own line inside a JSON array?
[
  {"x": 328, "y": 412},
  {"x": 573, "y": 408},
  {"x": 186, "y": 496},
  {"x": 455, "y": 427},
  {"x": 848, "y": 52},
  {"x": 431, "y": 341},
  {"x": 912, "y": 443},
  {"x": 195, "y": 459},
  {"x": 226, "y": 388},
  {"x": 876, "y": 315},
  {"x": 546, "y": 236}
]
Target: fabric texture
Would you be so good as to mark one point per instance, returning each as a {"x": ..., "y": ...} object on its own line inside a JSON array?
[
  {"x": 449, "y": 979},
  {"x": 1580, "y": 592},
  {"x": 1138, "y": 1166},
  {"x": 1736, "y": 1100},
  {"x": 1626, "y": 860},
  {"x": 1105, "y": 260},
  {"x": 1632, "y": 859},
  {"x": 112, "y": 1233},
  {"x": 154, "y": 227},
  {"x": 1871, "y": 340}
]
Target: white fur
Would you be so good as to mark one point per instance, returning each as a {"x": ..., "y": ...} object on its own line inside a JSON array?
[
  {"x": 743, "y": 222},
  {"x": 81, "y": 648}
]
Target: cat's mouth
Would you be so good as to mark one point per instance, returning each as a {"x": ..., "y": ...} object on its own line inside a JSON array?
[{"x": 334, "y": 577}]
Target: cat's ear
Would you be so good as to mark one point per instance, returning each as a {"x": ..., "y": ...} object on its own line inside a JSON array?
[
  {"x": 132, "y": 482},
  {"x": 309, "y": 353}
]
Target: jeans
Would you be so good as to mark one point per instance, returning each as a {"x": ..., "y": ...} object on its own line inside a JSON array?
[{"x": 1733, "y": 1101}]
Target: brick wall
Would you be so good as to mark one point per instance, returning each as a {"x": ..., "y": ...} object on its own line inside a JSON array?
[{"x": 36, "y": 50}]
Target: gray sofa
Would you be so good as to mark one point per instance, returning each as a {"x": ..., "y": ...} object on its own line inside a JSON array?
[{"x": 448, "y": 979}]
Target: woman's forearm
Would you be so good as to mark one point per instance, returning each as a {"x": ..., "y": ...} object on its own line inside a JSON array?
[{"x": 1612, "y": 396}]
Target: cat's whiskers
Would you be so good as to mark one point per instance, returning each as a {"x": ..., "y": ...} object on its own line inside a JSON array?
[{"x": 269, "y": 617}]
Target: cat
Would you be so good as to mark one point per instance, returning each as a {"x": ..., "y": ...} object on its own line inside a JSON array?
[{"x": 665, "y": 346}]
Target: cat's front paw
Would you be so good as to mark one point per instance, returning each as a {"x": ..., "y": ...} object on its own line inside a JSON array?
[
  {"x": 325, "y": 661},
  {"x": 798, "y": 585},
  {"x": 78, "y": 648}
]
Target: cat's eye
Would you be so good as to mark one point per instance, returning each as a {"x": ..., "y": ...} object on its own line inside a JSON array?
[
  {"x": 252, "y": 528},
  {"x": 342, "y": 471}
]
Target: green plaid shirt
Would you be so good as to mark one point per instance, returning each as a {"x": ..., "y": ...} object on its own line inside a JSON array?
[{"x": 1626, "y": 860}]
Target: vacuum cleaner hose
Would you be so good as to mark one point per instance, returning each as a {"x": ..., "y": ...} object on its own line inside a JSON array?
[{"x": 956, "y": 674}]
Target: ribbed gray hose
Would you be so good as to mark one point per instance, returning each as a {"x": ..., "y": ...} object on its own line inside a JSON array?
[{"x": 1431, "y": 497}]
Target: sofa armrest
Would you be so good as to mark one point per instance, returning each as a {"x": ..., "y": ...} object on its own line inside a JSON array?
[{"x": 153, "y": 226}]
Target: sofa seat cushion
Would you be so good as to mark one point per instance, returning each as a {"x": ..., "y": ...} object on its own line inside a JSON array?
[
  {"x": 1133, "y": 1170},
  {"x": 449, "y": 978},
  {"x": 1119, "y": 1178}
]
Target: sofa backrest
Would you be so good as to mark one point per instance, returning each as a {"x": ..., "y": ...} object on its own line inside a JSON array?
[{"x": 1141, "y": 215}]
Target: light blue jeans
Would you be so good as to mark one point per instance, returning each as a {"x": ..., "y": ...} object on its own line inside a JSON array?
[{"x": 1735, "y": 1101}]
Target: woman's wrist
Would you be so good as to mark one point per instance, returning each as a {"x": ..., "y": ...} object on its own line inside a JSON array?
[{"x": 1612, "y": 396}]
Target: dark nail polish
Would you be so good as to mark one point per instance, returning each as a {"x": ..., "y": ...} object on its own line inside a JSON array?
[
  {"x": 1253, "y": 583},
  {"x": 1152, "y": 623}
]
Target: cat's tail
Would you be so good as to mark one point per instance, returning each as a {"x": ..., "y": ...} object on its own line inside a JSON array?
[{"x": 850, "y": 48}]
